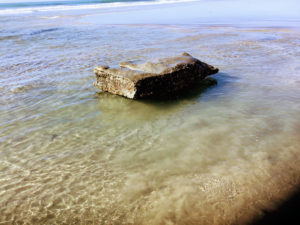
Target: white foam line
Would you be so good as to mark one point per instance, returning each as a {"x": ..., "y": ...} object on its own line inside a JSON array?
[{"x": 93, "y": 6}]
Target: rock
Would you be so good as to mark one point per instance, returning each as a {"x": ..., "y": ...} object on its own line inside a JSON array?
[{"x": 162, "y": 79}]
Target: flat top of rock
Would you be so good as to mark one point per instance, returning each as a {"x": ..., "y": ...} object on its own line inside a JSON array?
[
  {"x": 162, "y": 66},
  {"x": 159, "y": 66}
]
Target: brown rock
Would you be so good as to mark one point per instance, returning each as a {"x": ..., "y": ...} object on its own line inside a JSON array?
[{"x": 161, "y": 79}]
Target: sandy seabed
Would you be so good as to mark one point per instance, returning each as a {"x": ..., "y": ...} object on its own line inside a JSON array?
[{"x": 70, "y": 155}]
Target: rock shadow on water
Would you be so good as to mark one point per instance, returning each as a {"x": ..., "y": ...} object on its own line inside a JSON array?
[
  {"x": 119, "y": 108},
  {"x": 216, "y": 83},
  {"x": 193, "y": 93},
  {"x": 122, "y": 108}
]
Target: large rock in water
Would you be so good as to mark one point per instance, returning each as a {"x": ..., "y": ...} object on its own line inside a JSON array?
[{"x": 164, "y": 78}]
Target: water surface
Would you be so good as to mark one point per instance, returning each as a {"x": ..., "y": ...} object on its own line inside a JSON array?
[{"x": 70, "y": 154}]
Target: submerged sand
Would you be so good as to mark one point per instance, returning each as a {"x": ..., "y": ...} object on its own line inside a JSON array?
[{"x": 70, "y": 155}]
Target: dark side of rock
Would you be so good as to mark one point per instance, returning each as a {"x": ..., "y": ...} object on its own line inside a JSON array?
[{"x": 162, "y": 79}]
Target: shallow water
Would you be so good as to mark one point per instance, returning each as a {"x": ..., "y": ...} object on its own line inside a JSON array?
[{"x": 73, "y": 155}]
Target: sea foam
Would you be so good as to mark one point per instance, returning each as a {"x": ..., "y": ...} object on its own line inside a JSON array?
[{"x": 28, "y": 10}]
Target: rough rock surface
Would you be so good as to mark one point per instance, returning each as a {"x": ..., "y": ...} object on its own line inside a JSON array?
[{"x": 164, "y": 78}]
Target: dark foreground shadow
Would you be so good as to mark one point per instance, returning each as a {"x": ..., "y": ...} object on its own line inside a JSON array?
[{"x": 286, "y": 213}]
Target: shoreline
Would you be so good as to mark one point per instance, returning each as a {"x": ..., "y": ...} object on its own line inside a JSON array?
[{"x": 190, "y": 12}]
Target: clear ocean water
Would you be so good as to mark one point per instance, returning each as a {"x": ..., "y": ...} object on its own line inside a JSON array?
[{"x": 71, "y": 154}]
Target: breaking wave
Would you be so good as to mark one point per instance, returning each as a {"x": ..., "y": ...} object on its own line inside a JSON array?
[{"x": 7, "y": 9}]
